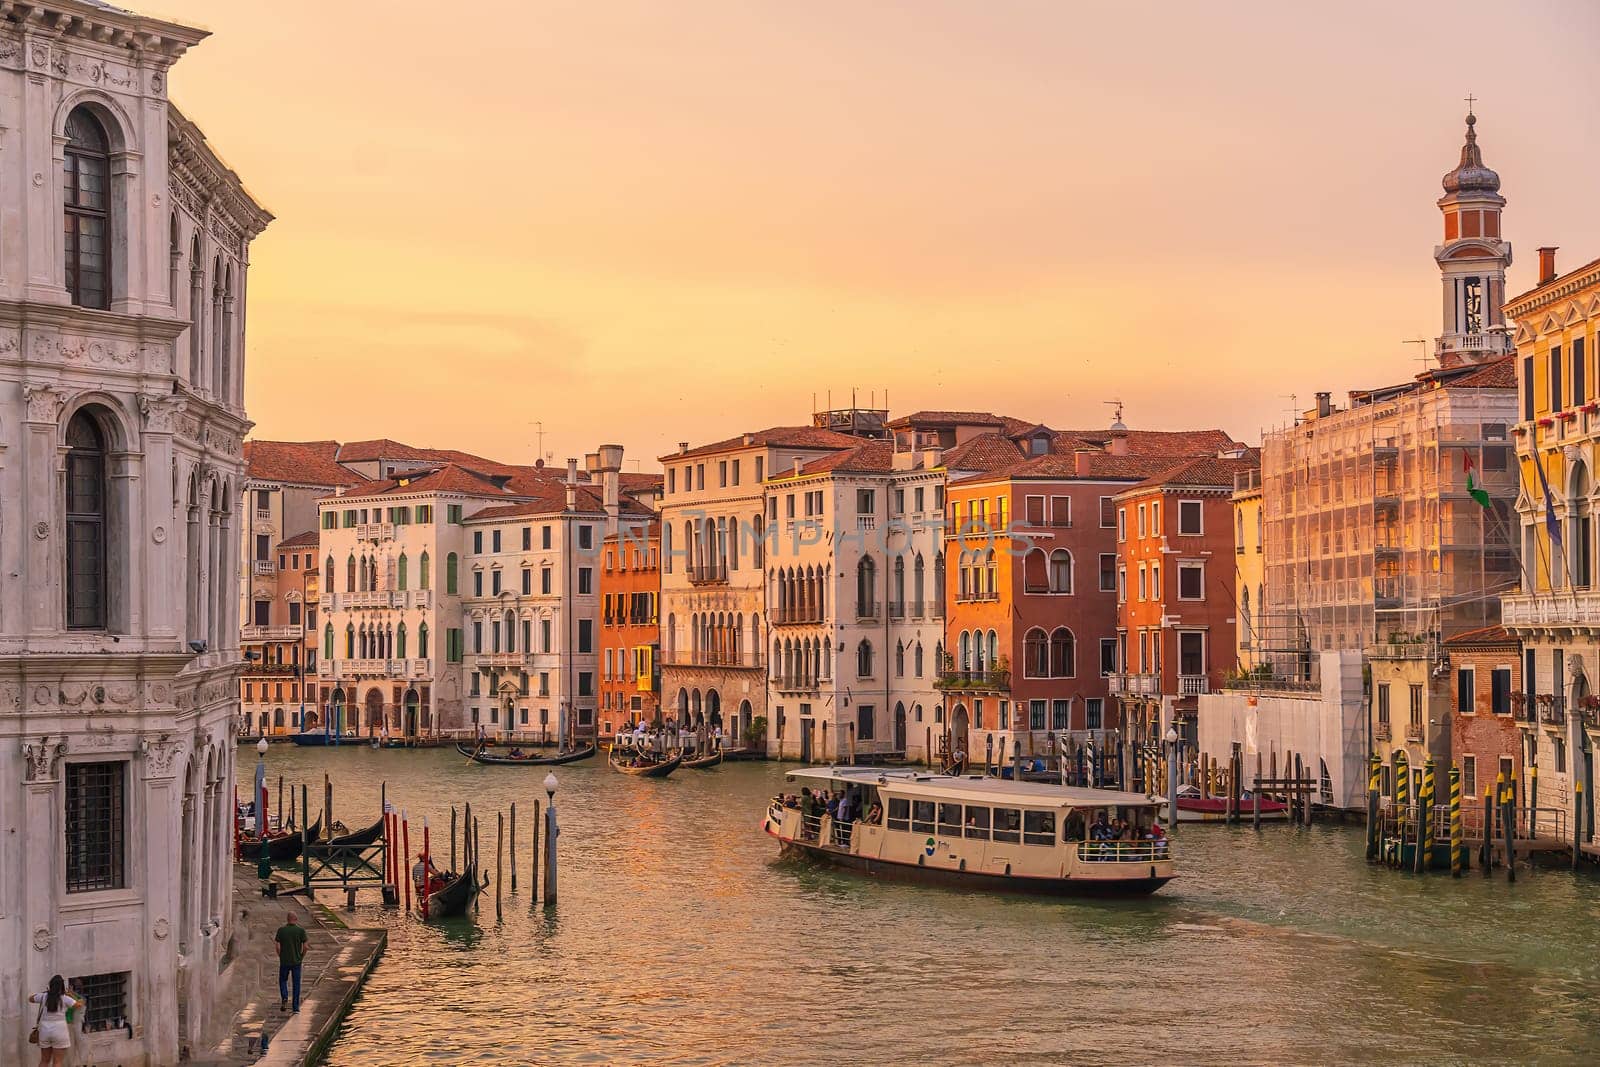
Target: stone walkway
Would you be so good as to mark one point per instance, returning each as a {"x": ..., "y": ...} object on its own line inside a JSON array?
[{"x": 337, "y": 962}]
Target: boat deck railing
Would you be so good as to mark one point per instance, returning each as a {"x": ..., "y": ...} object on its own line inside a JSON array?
[{"x": 1123, "y": 851}]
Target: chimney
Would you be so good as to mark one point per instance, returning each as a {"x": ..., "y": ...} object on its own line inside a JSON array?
[
  {"x": 572, "y": 483},
  {"x": 1081, "y": 458},
  {"x": 749, "y": 439},
  {"x": 609, "y": 464},
  {"x": 1547, "y": 264},
  {"x": 683, "y": 446},
  {"x": 1324, "y": 405}
]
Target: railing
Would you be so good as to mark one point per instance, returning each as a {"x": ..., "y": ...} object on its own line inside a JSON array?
[
  {"x": 867, "y": 610},
  {"x": 1413, "y": 731},
  {"x": 1123, "y": 851},
  {"x": 916, "y": 609},
  {"x": 1562, "y": 607},
  {"x": 794, "y": 683},
  {"x": 262, "y": 566},
  {"x": 1381, "y": 731},
  {"x": 785, "y": 616},
  {"x": 996, "y": 680},
  {"x": 1589, "y": 717},
  {"x": 375, "y": 668},
  {"x": 503, "y": 659},
  {"x": 976, "y": 596},
  {"x": 713, "y": 659},
  {"x": 375, "y": 531},
  {"x": 264, "y": 514},
  {"x": 1134, "y": 684},
  {"x": 381, "y": 598},
  {"x": 708, "y": 574},
  {"x": 897, "y": 609},
  {"x": 866, "y": 523},
  {"x": 1526, "y": 824},
  {"x": 1190, "y": 685},
  {"x": 1554, "y": 713},
  {"x": 286, "y": 632}
]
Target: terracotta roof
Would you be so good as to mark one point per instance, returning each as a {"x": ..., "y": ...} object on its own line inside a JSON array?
[
  {"x": 638, "y": 483},
  {"x": 298, "y": 462},
  {"x": 448, "y": 478},
  {"x": 810, "y": 437},
  {"x": 985, "y": 452},
  {"x": 1060, "y": 466},
  {"x": 1174, "y": 444},
  {"x": 1488, "y": 635},
  {"x": 652, "y": 532},
  {"x": 1204, "y": 471},
  {"x": 550, "y": 498},
  {"x": 1501, "y": 374},
  {"x": 310, "y": 537},
  {"x": 384, "y": 448},
  {"x": 876, "y": 457},
  {"x": 948, "y": 418}
]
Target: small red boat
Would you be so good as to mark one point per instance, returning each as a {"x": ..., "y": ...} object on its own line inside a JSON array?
[{"x": 1192, "y": 807}]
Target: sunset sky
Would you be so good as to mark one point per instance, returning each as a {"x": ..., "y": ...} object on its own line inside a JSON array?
[{"x": 648, "y": 222}]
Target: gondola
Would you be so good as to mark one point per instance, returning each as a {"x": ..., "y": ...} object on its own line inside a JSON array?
[
  {"x": 282, "y": 846},
  {"x": 659, "y": 769},
  {"x": 481, "y": 756},
  {"x": 456, "y": 894},
  {"x": 704, "y": 763},
  {"x": 357, "y": 839}
]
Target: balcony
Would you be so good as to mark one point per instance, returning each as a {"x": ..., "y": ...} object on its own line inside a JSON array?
[
  {"x": 287, "y": 632},
  {"x": 976, "y": 597},
  {"x": 795, "y": 683},
  {"x": 503, "y": 659},
  {"x": 1381, "y": 731},
  {"x": 263, "y": 567},
  {"x": 1133, "y": 685},
  {"x": 375, "y": 531},
  {"x": 1413, "y": 731},
  {"x": 868, "y": 611},
  {"x": 982, "y": 681},
  {"x": 1553, "y": 710},
  {"x": 866, "y": 523},
  {"x": 1193, "y": 685},
  {"x": 739, "y": 660},
  {"x": 263, "y": 514},
  {"x": 1561, "y": 609},
  {"x": 801, "y": 615},
  {"x": 708, "y": 574},
  {"x": 350, "y": 669}
]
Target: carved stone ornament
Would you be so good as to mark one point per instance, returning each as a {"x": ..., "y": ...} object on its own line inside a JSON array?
[
  {"x": 42, "y": 938},
  {"x": 161, "y": 754},
  {"x": 159, "y": 535},
  {"x": 44, "y": 402},
  {"x": 41, "y": 530},
  {"x": 42, "y": 695},
  {"x": 42, "y": 759},
  {"x": 41, "y": 55},
  {"x": 161, "y": 928},
  {"x": 160, "y": 412}
]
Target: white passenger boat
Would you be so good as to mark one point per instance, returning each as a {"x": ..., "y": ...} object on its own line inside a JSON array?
[{"x": 977, "y": 832}]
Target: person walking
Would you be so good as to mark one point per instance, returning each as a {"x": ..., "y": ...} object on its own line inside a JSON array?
[
  {"x": 50, "y": 1023},
  {"x": 291, "y": 942}
]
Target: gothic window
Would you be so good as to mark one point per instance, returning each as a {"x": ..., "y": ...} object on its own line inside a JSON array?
[
  {"x": 328, "y": 581},
  {"x": 422, "y": 640},
  {"x": 86, "y": 203},
  {"x": 1036, "y": 655},
  {"x": 1061, "y": 571},
  {"x": 350, "y": 574},
  {"x": 401, "y": 570},
  {"x": 349, "y": 641},
  {"x": 327, "y": 641},
  {"x": 400, "y": 642},
  {"x": 422, "y": 571},
  {"x": 1063, "y": 658},
  {"x": 86, "y": 524},
  {"x": 864, "y": 659},
  {"x": 450, "y": 574},
  {"x": 866, "y": 588}
]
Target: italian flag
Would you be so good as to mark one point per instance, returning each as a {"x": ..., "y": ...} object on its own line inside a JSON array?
[{"x": 1474, "y": 490}]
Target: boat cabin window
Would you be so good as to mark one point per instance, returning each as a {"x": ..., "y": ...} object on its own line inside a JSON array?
[
  {"x": 949, "y": 820},
  {"x": 899, "y": 813},
  {"x": 1008, "y": 824},
  {"x": 978, "y": 823},
  {"x": 922, "y": 816},
  {"x": 1075, "y": 828},
  {"x": 1038, "y": 828}
]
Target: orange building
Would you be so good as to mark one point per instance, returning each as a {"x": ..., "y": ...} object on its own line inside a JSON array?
[
  {"x": 278, "y": 655},
  {"x": 630, "y": 629},
  {"x": 1031, "y": 635},
  {"x": 1175, "y": 585}
]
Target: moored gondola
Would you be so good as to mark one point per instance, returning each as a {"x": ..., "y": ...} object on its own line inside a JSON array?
[
  {"x": 480, "y": 755},
  {"x": 453, "y": 897},
  {"x": 358, "y": 838},
  {"x": 704, "y": 763},
  {"x": 281, "y": 846},
  {"x": 654, "y": 769}
]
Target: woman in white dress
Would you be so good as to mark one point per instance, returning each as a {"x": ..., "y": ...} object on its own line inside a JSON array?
[{"x": 54, "y": 1036}]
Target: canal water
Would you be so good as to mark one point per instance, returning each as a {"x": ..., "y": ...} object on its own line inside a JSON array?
[{"x": 681, "y": 938}]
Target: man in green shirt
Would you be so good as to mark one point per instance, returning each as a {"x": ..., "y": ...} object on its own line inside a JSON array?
[{"x": 291, "y": 941}]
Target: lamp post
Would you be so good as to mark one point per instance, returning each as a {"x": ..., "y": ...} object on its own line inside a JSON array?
[
  {"x": 550, "y": 832},
  {"x": 1172, "y": 778},
  {"x": 264, "y": 863}
]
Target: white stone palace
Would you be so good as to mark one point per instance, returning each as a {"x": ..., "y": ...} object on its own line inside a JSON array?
[{"x": 124, "y": 244}]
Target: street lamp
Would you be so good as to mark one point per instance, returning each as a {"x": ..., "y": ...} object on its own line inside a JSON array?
[
  {"x": 264, "y": 864},
  {"x": 550, "y": 786},
  {"x": 1172, "y": 778}
]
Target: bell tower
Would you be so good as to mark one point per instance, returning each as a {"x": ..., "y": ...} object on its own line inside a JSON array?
[{"x": 1472, "y": 260}]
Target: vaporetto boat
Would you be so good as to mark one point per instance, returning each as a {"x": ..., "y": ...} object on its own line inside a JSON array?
[{"x": 976, "y": 832}]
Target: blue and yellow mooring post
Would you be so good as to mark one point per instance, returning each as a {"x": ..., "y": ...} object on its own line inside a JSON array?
[
  {"x": 1420, "y": 862},
  {"x": 1374, "y": 827},
  {"x": 1456, "y": 847},
  {"x": 1402, "y": 800}
]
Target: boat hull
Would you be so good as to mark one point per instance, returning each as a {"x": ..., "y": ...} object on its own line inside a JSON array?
[
  {"x": 480, "y": 756},
  {"x": 1215, "y": 809},
  {"x": 313, "y": 738},
  {"x": 654, "y": 770}
]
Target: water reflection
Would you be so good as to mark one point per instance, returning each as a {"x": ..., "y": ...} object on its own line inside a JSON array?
[{"x": 681, "y": 938}]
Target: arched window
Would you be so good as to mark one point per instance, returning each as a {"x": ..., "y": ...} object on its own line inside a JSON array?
[
  {"x": 327, "y": 641},
  {"x": 86, "y": 523},
  {"x": 327, "y": 581},
  {"x": 866, "y": 588},
  {"x": 174, "y": 257},
  {"x": 350, "y": 574},
  {"x": 349, "y": 640},
  {"x": 422, "y": 571},
  {"x": 86, "y": 201},
  {"x": 898, "y": 608},
  {"x": 197, "y": 286},
  {"x": 1035, "y": 577},
  {"x": 422, "y": 640},
  {"x": 400, "y": 641},
  {"x": 918, "y": 586},
  {"x": 864, "y": 659},
  {"x": 1063, "y": 654},
  {"x": 966, "y": 651},
  {"x": 900, "y": 659},
  {"x": 916, "y": 660},
  {"x": 450, "y": 574},
  {"x": 1036, "y": 655},
  {"x": 401, "y": 572},
  {"x": 1244, "y": 614},
  {"x": 1061, "y": 571},
  {"x": 993, "y": 657},
  {"x": 938, "y": 585},
  {"x": 991, "y": 575}
]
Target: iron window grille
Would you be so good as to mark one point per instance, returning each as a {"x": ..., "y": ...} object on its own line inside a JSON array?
[
  {"x": 96, "y": 826},
  {"x": 105, "y": 1001}
]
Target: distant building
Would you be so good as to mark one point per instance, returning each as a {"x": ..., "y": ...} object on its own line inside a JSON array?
[
  {"x": 277, "y": 690},
  {"x": 122, "y": 357},
  {"x": 630, "y": 628},
  {"x": 1485, "y": 733},
  {"x": 1249, "y": 571}
]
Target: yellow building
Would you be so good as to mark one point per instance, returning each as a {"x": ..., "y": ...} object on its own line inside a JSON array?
[
  {"x": 1249, "y": 569},
  {"x": 1557, "y": 612}
]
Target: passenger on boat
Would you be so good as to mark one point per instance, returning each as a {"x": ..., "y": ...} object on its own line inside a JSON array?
[
  {"x": 516, "y": 752},
  {"x": 424, "y": 869},
  {"x": 875, "y": 813}
]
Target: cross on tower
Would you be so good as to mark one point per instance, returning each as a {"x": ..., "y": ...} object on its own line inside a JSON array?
[{"x": 1470, "y": 101}]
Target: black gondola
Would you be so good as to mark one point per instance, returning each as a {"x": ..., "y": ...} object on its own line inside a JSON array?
[
  {"x": 280, "y": 847},
  {"x": 657, "y": 769},
  {"x": 357, "y": 839},
  {"x": 456, "y": 894},
  {"x": 481, "y": 756},
  {"x": 704, "y": 763}
]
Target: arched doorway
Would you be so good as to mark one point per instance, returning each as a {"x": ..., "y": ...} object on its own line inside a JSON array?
[
  {"x": 958, "y": 730},
  {"x": 336, "y": 712},
  {"x": 713, "y": 710},
  {"x": 746, "y": 720},
  {"x": 311, "y": 720},
  {"x": 374, "y": 709},
  {"x": 412, "y": 719},
  {"x": 899, "y": 727}
]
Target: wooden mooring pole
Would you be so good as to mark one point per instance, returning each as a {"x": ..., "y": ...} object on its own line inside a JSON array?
[
  {"x": 1577, "y": 820},
  {"x": 513, "y": 846},
  {"x": 1455, "y": 821},
  {"x": 499, "y": 860},
  {"x": 1488, "y": 829},
  {"x": 533, "y": 874},
  {"x": 475, "y": 855},
  {"x": 453, "y": 866}
]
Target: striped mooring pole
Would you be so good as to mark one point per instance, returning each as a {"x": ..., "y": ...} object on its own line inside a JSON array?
[
  {"x": 1374, "y": 829},
  {"x": 1456, "y": 846},
  {"x": 1424, "y": 819}
]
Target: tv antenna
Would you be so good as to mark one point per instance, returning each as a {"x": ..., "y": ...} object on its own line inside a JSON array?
[
  {"x": 1294, "y": 407},
  {"x": 1422, "y": 350},
  {"x": 1116, "y": 411}
]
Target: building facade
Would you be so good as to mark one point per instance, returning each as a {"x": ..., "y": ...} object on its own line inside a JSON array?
[
  {"x": 630, "y": 628},
  {"x": 1486, "y": 734},
  {"x": 1249, "y": 571},
  {"x": 1554, "y": 612},
  {"x": 122, "y": 295},
  {"x": 277, "y": 689}
]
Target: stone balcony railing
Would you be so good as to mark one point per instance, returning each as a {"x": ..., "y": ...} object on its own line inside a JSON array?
[
  {"x": 1191, "y": 685},
  {"x": 395, "y": 599},
  {"x": 1130, "y": 685},
  {"x": 991, "y": 681},
  {"x": 1381, "y": 731},
  {"x": 286, "y": 632},
  {"x": 1562, "y": 608},
  {"x": 503, "y": 659},
  {"x": 333, "y": 670},
  {"x": 375, "y": 531}
]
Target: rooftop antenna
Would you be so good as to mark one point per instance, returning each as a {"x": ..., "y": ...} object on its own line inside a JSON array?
[
  {"x": 1294, "y": 407},
  {"x": 540, "y": 431},
  {"x": 1116, "y": 413},
  {"x": 1422, "y": 351}
]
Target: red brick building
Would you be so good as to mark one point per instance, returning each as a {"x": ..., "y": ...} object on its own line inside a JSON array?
[
  {"x": 1175, "y": 579},
  {"x": 630, "y": 629},
  {"x": 1485, "y": 738}
]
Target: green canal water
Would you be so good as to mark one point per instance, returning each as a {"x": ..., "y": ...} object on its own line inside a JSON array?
[{"x": 681, "y": 938}]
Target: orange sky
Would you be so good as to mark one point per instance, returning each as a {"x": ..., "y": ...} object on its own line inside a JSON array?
[{"x": 644, "y": 222}]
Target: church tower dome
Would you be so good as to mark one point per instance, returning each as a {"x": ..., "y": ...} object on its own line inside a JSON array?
[
  {"x": 1472, "y": 260},
  {"x": 1470, "y": 174}
]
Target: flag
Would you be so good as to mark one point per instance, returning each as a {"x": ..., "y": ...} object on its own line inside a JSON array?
[
  {"x": 1474, "y": 490},
  {"x": 1551, "y": 523}
]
